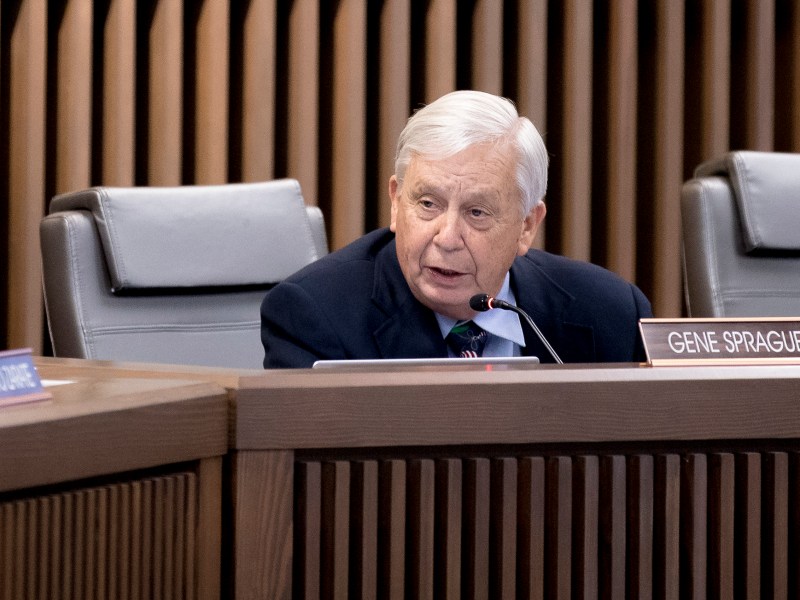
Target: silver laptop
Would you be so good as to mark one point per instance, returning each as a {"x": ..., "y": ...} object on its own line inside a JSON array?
[{"x": 515, "y": 361}]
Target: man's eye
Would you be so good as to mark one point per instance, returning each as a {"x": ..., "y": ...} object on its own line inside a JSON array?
[
  {"x": 426, "y": 203},
  {"x": 477, "y": 212}
]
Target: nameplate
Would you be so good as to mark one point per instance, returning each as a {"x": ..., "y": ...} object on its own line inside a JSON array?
[
  {"x": 721, "y": 341},
  {"x": 19, "y": 380}
]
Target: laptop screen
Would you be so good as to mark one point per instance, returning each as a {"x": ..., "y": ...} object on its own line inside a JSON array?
[{"x": 511, "y": 361}]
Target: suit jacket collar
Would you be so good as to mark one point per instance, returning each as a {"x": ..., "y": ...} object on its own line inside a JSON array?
[{"x": 409, "y": 329}]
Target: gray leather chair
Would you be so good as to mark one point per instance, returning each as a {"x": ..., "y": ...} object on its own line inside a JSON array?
[
  {"x": 172, "y": 274},
  {"x": 741, "y": 236}
]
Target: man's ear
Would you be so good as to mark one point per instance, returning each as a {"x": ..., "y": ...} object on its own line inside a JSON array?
[
  {"x": 530, "y": 225},
  {"x": 394, "y": 190}
]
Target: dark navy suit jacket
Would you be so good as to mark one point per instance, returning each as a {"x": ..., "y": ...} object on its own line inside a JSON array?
[{"x": 355, "y": 303}]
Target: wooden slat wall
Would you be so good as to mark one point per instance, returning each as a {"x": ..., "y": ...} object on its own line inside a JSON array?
[
  {"x": 134, "y": 539},
  {"x": 629, "y": 95},
  {"x": 579, "y": 525}
]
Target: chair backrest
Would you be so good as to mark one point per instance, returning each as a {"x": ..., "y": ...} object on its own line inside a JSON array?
[
  {"x": 741, "y": 236},
  {"x": 172, "y": 274}
]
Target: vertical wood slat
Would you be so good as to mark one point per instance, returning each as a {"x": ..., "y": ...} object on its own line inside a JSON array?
[
  {"x": 532, "y": 72},
  {"x": 668, "y": 158},
  {"x": 349, "y": 133},
  {"x": 694, "y": 502},
  {"x": 119, "y": 93},
  {"x": 364, "y": 539},
  {"x": 440, "y": 49},
  {"x": 748, "y": 525},
  {"x": 775, "y": 574},
  {"x": 392, "y": 528},
  {"x": 622, "y": 129},
  {"x": 760, "y": 89},
  {"x": 531, "y": 503},
  {"x": 138, "y": 538},
  {"x": 420, "y": 552},
  {"x": 394, "y": 85},
  {"x": 308, "y": 525},
  {"x": 613, "y": 532},
  {"x": 477, "y": 496},
  {"x": 487, "y": 46},
  {"x": 7, "y": 555},
  {"x": 165, "y": 106},
  {"x": 586, "y": 495},
  {"x": 640, "y": 531},
  {"x": 212, "y": 81},
  {"x": 335, "y": 529},
  {"x": 302, "y": 147},
  {"x": 503, "y": 528},
  {"x": 258, "y": 91},
  {"x": 203, "y": 553},
  {"x": 558, "y": 520},
  {"x": 74, "y": 101},
  {"x": 158, "y": 550},
  {"x": 721, "y": 525},
  {"x": 448, "y": 513},
  {"x": 26, "y": 144},
  {"x": 715, "y": 82},
  {"x": 576, "y": 127}
]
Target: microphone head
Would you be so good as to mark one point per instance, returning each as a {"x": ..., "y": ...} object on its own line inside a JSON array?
[{"x": 481, "y": 302}]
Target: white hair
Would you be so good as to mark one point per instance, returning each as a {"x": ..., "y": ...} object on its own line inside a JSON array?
[{"x": 460, "y": 119}]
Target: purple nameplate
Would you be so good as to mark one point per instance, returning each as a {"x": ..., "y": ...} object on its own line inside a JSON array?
[{"x": 19, "y": 381}]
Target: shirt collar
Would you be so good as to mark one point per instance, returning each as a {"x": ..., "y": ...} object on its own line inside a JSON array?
[{"x": 502, "y": 323}]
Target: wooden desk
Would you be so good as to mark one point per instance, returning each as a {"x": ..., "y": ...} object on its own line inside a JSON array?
[
  {"x": 113, "y": 488},
  {"x": 557, "y": 482}
]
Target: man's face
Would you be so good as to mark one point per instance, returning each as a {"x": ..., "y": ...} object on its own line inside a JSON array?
[{"x": 458, "y": 225}]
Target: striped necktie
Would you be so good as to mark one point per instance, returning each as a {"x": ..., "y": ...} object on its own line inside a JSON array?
[{"x": 467, "y": 340}]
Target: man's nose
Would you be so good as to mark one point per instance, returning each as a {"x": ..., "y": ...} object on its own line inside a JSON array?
[{"x": 450, "y": 234}]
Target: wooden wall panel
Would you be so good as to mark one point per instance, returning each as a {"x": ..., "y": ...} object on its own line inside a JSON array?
[
  {"x": 257, "y": 110},
  {"x": 630, "y": 97},
  {"x": 302, "y": 106},
  {"x": 212, "y": 87},
  {"x": 621, "y": 157},
  {"x": 760, "y": 74},
  {"x": 348, "y": 150},
  {"x": 715, "y": 81},
  {"x": 394, "y": 91},
  {"x": 74, "y": 97},
  {"x": 487, "y": 46},
  {"x": 117, "y": 154},
  {"x": 665, "y": 120},
  {"x": 531, "y": 83},
  {"x": 575, "y": 160},
  {"x": 440, "y": 49},
  {"x": 165, "y": 102},
  {"x": 27, "y": 56}
]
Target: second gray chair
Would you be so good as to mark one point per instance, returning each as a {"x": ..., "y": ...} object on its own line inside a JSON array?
[
  {"x": 741, "y": 236},
  {"x": 172, "y": 274}
]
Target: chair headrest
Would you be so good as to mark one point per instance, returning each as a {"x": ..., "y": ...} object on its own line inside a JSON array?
[
  {"x": 766, "y": 187},
  {"x": 229, "y": 235}
]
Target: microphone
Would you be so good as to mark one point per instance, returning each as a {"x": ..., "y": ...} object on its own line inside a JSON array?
[{"x": 484, "y": 302}]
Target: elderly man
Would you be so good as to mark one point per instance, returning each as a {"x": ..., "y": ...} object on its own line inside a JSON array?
[{"x": 467, "y": 200}]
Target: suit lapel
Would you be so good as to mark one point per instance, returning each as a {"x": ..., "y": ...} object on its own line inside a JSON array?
[
  {"x": 409, "y": 329},
  {"x": 551, "y": 308}
]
